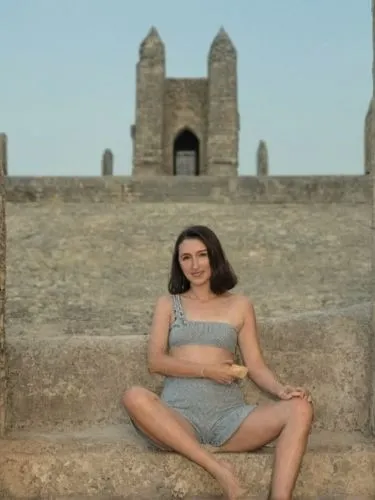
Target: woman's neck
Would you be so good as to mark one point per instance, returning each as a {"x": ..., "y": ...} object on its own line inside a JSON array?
[{"x": 203, "y": 294}]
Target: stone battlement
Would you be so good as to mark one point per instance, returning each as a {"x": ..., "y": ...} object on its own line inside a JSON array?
[{"x": 246, "y": 189}]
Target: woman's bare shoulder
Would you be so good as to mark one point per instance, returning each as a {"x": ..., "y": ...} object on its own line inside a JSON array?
[
  {"x": 241, "y": 302},
  {"x": 164, "y": 303}
]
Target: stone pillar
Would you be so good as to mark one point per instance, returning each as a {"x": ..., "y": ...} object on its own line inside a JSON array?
[
  {"x": 3, "y": 357},
  {"x": 149, "y": 119},
  {"x": 3, "y": 152},
  {"x": 368, "y": 140},
  {"x": 262, "y": 159},
  {"x": 107, "y": 162},
  {"x": 372, "y": 173},
  {"x": 222, "y": 114}
]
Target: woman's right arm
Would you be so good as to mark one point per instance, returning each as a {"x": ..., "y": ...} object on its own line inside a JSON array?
[{"x": 159, "y": 361}]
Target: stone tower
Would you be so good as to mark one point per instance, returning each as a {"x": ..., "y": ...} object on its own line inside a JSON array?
[{"x": 186, "y": 126}]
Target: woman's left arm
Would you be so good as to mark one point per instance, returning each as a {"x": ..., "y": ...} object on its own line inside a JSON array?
[{"x": 253, "y": 359}]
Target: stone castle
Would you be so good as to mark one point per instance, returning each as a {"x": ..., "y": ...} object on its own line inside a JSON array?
[
  {"x": 190, "y": 126},
  {"x": 82, "y": 261},
  {"x": 186, "y": 126}
]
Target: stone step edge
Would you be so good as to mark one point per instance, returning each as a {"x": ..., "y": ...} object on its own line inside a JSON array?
[
  {"x": 44, "y": 466},
  {"x": 354, "y": 311},
  {"x": 143, "y": 338},
  {"x": 124, "y": 434}
]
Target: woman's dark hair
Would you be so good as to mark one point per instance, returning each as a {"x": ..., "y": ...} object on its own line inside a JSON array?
[{"x": 223, "y": 278}]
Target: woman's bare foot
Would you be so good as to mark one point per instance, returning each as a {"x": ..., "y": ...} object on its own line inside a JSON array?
[{"x": 228, "y": 481}]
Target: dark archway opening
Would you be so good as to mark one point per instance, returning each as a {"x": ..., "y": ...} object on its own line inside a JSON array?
[{"x": 186, "y": 154}]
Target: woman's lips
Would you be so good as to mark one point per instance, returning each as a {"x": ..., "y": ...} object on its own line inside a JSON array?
[{"x": 196, "y": 275}]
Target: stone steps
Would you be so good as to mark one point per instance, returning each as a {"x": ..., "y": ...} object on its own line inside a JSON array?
[
  {"x": 112, "y": 461},
  {"x": 76, "y": 381},
  {"x": 82, "y": 282}
]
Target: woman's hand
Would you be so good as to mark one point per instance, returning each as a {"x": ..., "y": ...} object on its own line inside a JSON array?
[
  {"x": 219, "y": 372},
  {"x": 288, "y": 392}
]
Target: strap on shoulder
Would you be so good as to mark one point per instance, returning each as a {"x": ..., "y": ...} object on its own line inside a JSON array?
[{"x": 177, "y": 307}]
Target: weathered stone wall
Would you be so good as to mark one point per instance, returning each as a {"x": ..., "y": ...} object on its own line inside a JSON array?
[
  {"x": 185, "y": 107},
  {"x": 3, "y": 360},
  {"x": 280, "y": 190},
  {"x": 372, "y": 170}
]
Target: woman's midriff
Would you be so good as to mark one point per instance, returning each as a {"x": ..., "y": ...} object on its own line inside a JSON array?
[{"x": 201, "y": 354}]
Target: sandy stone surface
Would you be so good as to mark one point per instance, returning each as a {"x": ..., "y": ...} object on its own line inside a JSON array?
[{"x": 88, "y": 267}]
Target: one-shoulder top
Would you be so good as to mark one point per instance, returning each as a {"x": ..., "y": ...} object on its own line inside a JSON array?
[{"x": 184, "y": 332}]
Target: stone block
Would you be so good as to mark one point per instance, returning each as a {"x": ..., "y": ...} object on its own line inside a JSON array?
[
  {"x": 73, "y": 382},
  {"x": 110, "y": 463}
]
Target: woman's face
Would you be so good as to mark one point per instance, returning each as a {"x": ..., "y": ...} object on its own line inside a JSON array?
[{"x": 194, "y": 261}]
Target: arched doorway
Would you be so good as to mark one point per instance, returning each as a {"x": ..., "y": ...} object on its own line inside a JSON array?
[{"x": 186, "y": 154}]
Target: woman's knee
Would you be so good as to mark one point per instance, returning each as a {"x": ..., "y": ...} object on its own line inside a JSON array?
[
  {"x": 136, "y": 396},
  {"x": 301, "y": 412}
]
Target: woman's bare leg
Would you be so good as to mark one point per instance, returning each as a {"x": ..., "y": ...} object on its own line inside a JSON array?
[
  {"x": 290, "y": 421},
  {"x": 164, "y": 426}
]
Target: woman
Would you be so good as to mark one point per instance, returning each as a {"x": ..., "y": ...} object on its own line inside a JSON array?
[{"x": 192, "y": 342}]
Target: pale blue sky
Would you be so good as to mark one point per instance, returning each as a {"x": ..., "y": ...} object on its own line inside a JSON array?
[{"x": 67, "y": 86}]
